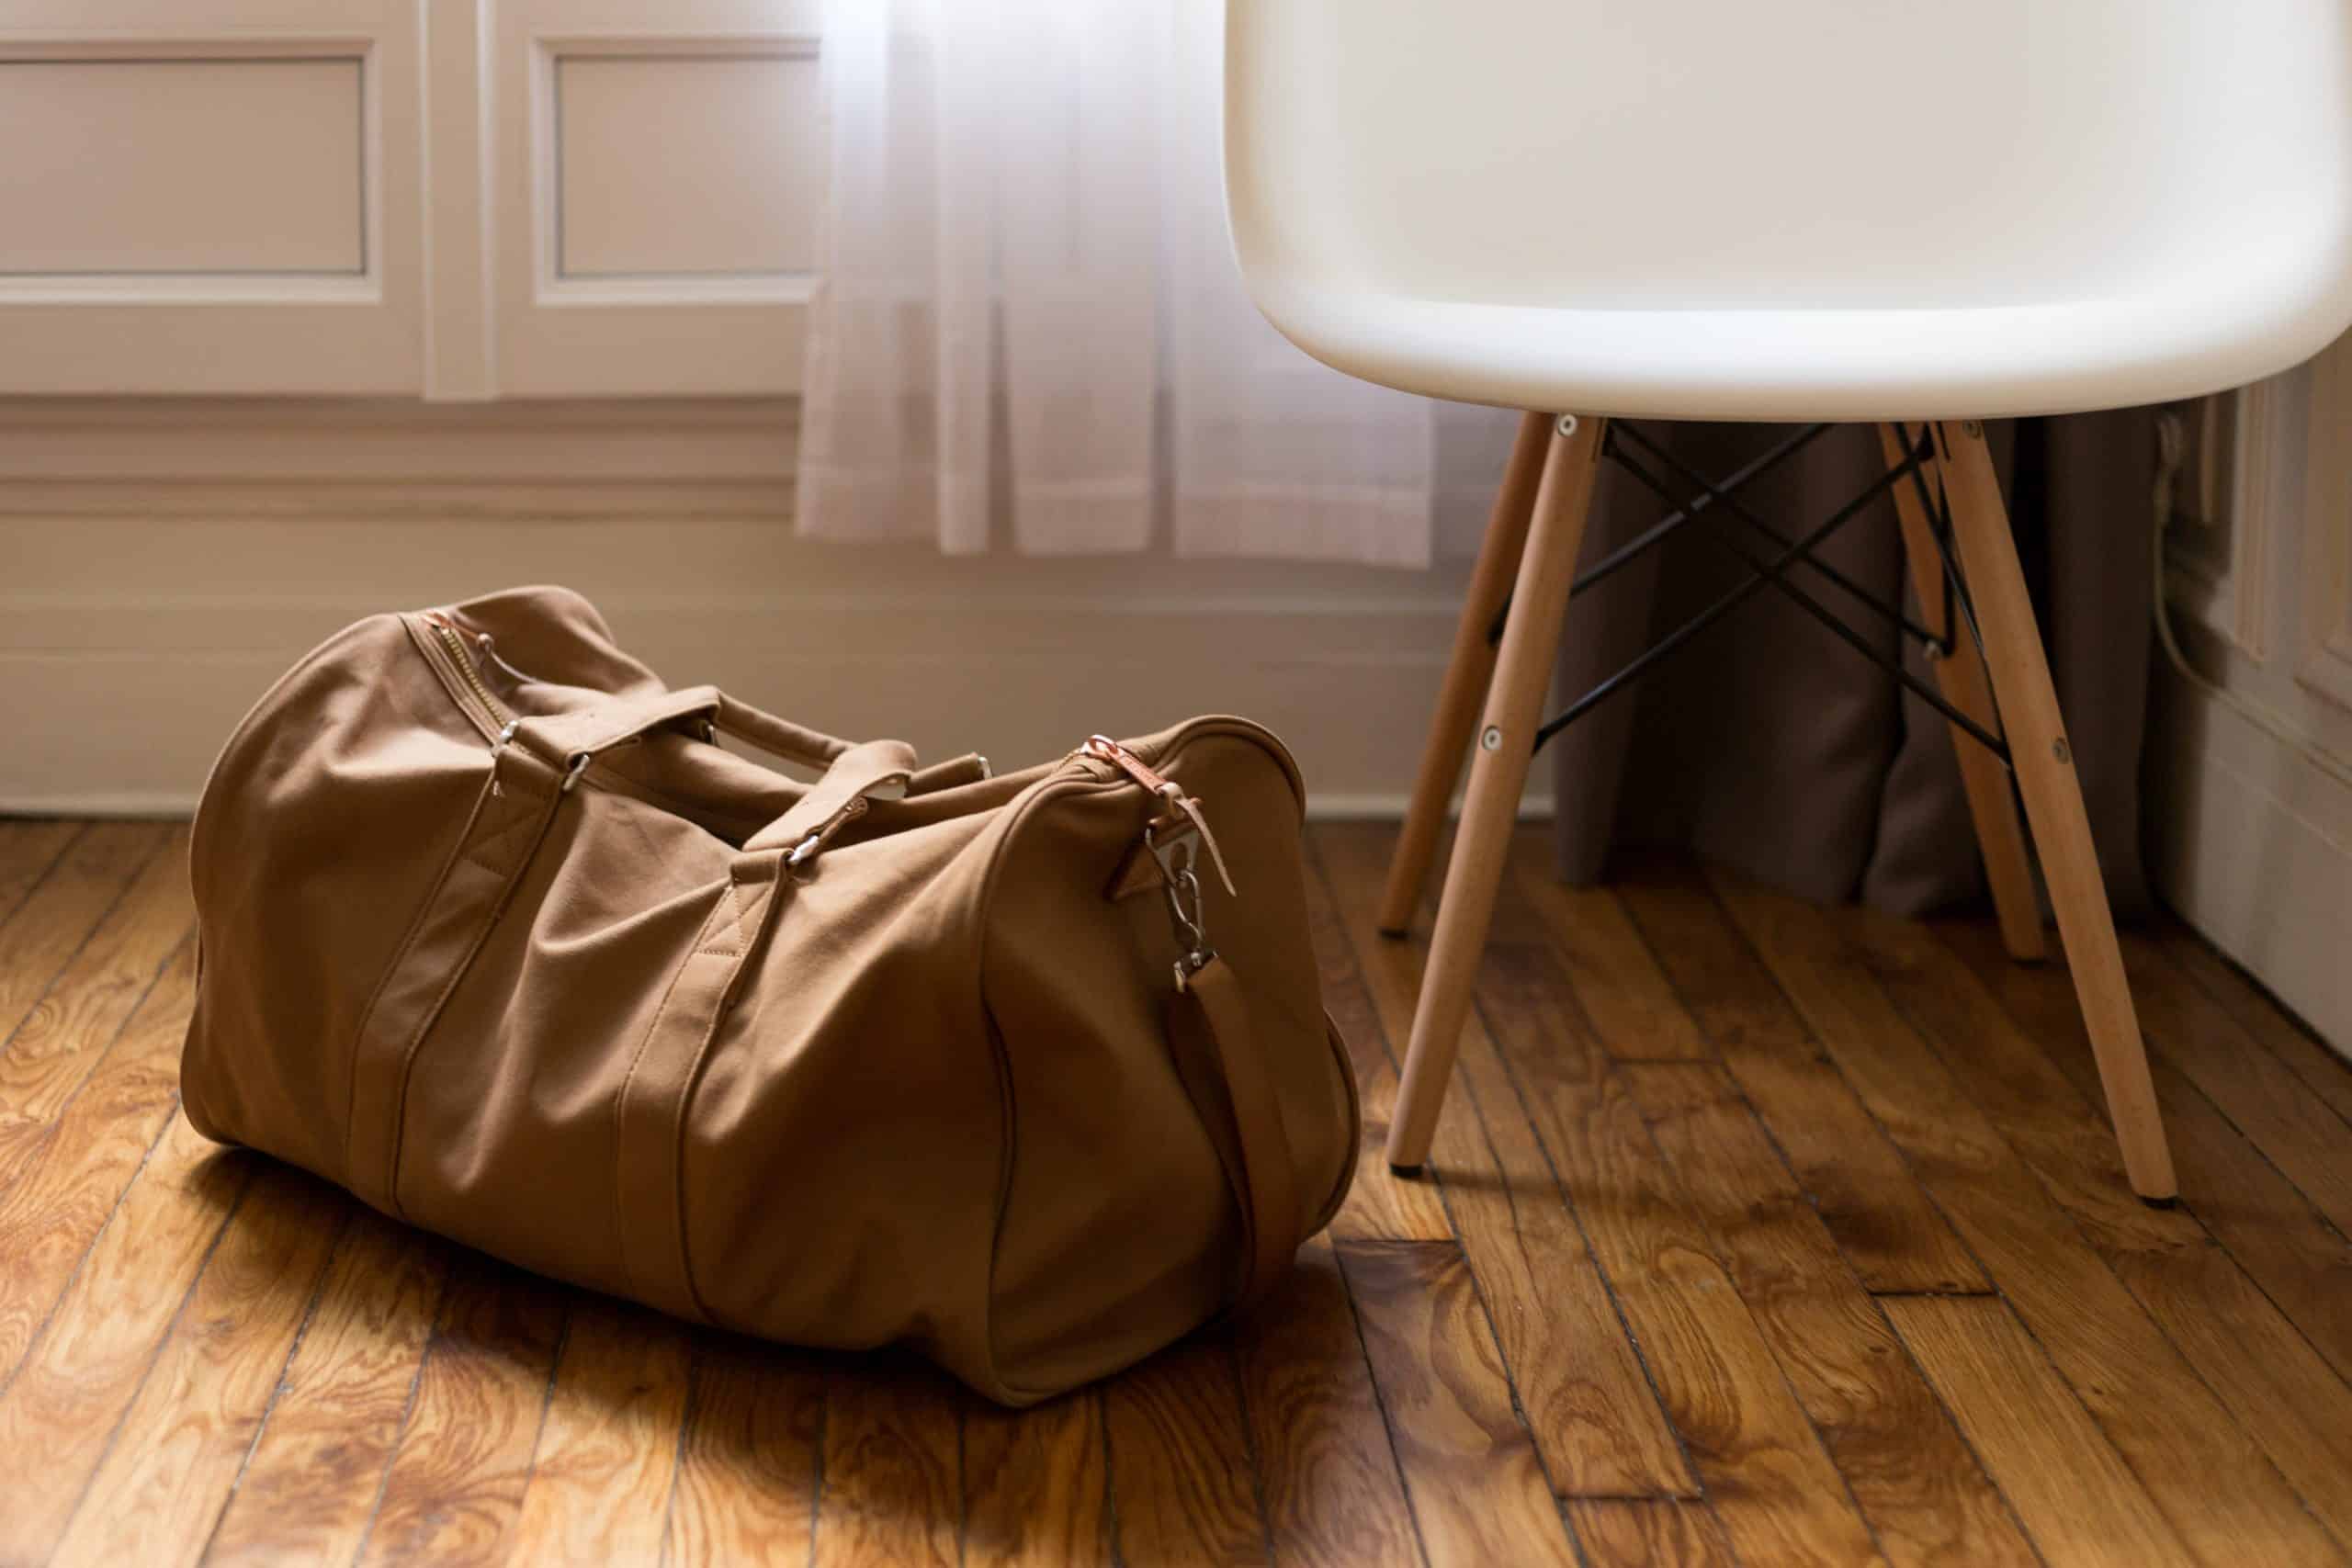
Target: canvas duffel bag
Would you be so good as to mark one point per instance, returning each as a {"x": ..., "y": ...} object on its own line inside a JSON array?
[{"x": 496, "y": 935}]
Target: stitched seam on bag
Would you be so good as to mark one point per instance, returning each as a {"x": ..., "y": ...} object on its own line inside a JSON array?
[
  {"x": 399, "y": 958},
  {"x": 479, "y": 855},
  {"x": 629, "y": 1082},
  {"x": 721, "y": 1006},
  {"x": 498, "y": 903}
]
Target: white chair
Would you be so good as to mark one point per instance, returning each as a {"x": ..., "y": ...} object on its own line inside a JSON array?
[{"x": 1811, "y": 210}]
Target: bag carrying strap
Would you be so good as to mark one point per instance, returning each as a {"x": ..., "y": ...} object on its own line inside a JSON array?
[
  {"x": 583, "y": 732},
  {"x": 874, "y": 768},
  {"x": 1208, "y": 1024}
]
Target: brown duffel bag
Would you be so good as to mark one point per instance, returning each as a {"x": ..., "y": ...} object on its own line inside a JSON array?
[{"x": 997, "y": 1067}]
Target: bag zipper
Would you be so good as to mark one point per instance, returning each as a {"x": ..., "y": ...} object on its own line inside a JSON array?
[{"x": 462, "y": 657}]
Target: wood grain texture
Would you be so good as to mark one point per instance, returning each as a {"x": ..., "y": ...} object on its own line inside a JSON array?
[
  {"x": 1588, "y": 1404},
  {"x": 1627, "y": 1291},
  {"x": 748, "y": 1464},
  {"x": 893, "y": 1462},
  {"x": 1325, "y": 1456},
  {"x": 1178, "y": 1446},
  {"x": 1633, "y": 1011},
  {"x": 1468, "y": 668},
  {"x": 56, "y": 1209},
  {"x": 2289, "y": 1250},
  {"x": 464, "y": 1455},
  {"x": 2327, "y": 1074},
  {"x": 1649, "y": 1532},
  {"x": 2274, "y": 1380},
  {"x": 1744, "y": 1431},
  {"x": 67, "y": 905},
  {"x": 1866, "y": 1194},
  {"x": 601, "y": 1477},
  {"x": 319, "y": 1460},
  {"x": 28, "y": 850},
  {"x": 1037, "y": 1485},
  {"x": 156, "y": 1495},
  {"x": 1923, "y": 1493},
  {"x": 1498, "y": 778},
  {"x": 1477, "y": 1484},
  {"x": 60, "y": 1412},
  {"x": 2043, "y": 761},
  {"x": 2301, "y": 1133},
  {"x": 2075, "y": 1492},
  {"x": 2213, "y": 1480},
  {"x": 73, "y": 1027},
  {"x": 1377, "y": 1205}
]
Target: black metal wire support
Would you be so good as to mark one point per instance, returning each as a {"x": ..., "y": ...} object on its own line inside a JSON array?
[
  {"x": 1774, "y": 570},
  {"x": 1656, "y": 533}
]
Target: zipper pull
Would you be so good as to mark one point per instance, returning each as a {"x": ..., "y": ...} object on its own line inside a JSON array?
[
  {"x": 1104, "y": 748},
  {"x": 498, "y": 747}
]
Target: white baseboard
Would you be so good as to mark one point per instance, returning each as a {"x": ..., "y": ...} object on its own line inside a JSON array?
[{"x": 2253, "y": 847}]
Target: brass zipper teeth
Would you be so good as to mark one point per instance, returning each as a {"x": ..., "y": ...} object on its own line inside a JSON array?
[{"x": 463, "y": 658}]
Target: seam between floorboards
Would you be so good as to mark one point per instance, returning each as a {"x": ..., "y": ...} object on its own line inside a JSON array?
[
  {"x": 46, "y": 872},
  {"x": 1780, "y": 1152},
  {"x": 105, "y": 915},
  {"x": 114, "y": 1433},
  {"x": 2253, "y": 1439},
  {"x": 277, "y": 1386},
  {"x": 432, "y": 1336}
]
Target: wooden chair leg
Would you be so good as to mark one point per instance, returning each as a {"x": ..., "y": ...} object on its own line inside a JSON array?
[
  {"x": 1498, "y": 773},
  {"x": 1960, "y": 675},
  {"x": 1466, "y": 675},
  {"x": 2054, "y": 801}
]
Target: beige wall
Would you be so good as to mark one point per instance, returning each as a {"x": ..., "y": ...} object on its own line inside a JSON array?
[{"x": 161, "y": 562}]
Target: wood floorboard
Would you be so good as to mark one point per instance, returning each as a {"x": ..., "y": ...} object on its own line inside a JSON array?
[
  {"x": 1864, "y": 1189},
  {"x": 28, "y": 850},
  {"x": 1587, "y": 1401},
  {"x": 60, "y": 914},
  {"x": 2282, "y": 1393},
  {"x": 1478, "y": 1487},
  {"x": 2218, "y": 1488},
  {"x": 1327, "y": 1458},
  {"x": 1922, "y": 1491},
  {"x": 1746, "y": 1434},
  {"x": 2327, "y": 1074},
  {"x": 1172, "y": 1427},
  {"x": 1754, "y": 1232},
  {"x": 2075, "y": 1492},
  {"x": 748, "y": 1463}
]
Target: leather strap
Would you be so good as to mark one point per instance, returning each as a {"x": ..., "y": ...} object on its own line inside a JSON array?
[
  {"x": 649, "y": 1113},
  {"x": 1209, "y": 1025},
  {"x": 874, "y": 768}
]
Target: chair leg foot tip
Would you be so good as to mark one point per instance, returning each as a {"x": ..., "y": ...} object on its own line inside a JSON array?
[
  {"x": 2168, "y": 1202},
  {"x": 1394, "y": 933},
  {"x": 1408, "y": 1172}
]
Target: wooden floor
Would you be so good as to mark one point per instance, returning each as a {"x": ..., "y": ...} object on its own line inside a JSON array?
[{"x": 1758, "y": 1233}]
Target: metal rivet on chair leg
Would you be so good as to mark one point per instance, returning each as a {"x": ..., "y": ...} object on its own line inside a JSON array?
[
  {"x": 1567, "y": 425},
  {"x": 2060, "y": 750},
  {"x": 1971, "y": 428},
  {"x": 1492, "y": 740}
]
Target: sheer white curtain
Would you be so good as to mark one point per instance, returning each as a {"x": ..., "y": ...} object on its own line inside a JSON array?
[{"x": 1031, "y": 327}]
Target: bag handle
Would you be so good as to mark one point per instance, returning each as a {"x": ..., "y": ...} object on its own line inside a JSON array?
[
  {"x": 1208, "y": 1023},
  {"x": 583, "y": 732},
  {"x": 865, "y": 772}
]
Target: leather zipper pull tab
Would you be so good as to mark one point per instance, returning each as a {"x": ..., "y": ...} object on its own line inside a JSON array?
[{"x": 1180, "y": 805}]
